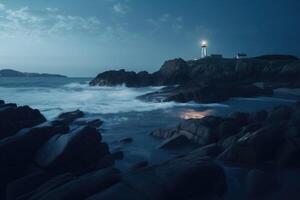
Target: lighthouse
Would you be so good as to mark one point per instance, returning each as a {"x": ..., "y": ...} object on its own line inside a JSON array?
[{"x": 203, "y": 48}]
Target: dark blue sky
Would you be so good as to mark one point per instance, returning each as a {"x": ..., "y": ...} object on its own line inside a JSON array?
[{"x": 85, "y": 37}]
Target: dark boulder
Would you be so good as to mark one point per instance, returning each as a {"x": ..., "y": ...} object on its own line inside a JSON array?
[
  {"x": 17, "y": 152},
  {"x": 69, "y": 117},
  {"x": 13, "y": 105},
  {"x": 94, "y": 122},
  {"x": 81, "y": 187},
  {"x": 120, "y": 77},
  {"x": 119, "y": 191},
  {"x": 200, "y": 131},
  {"x": 164, "y": 133},
  {"x": 212, "y": 93},
  {"x": 279, "y": 114},
  {"x": 118, "y": 155},
  {"x": 255, "y": 147},
  {"x": 259, "y": 116},
  {"x": 211, "y": 150},
  {"x": 260, "y": 184},
  {"x": 173, "y": 72},
  {"x": 139, "y": 165},
  {"x": 75, "y": 151},
  {"x": 26, "y": 184},
  {"x": 240, "y": 118},
  {"x": 185, "y": 177},
  {"x": 295, "y": 119},
  {"x": 174, "y": 142},
  {"x": 228, "y": 128},
  {"x": 289, "y": 153},
  {"x": 13, "y": 119},
  {"x": 126, "y": 140},
  {"x": 47, "y": 187},
  {"x": 2, "y": 102}
]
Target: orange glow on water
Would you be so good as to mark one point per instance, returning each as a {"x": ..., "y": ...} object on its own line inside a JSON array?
[{"x": 192, "y": 114}]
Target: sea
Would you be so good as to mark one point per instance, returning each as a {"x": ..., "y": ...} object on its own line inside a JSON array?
[{"x": 124, "y": 116}]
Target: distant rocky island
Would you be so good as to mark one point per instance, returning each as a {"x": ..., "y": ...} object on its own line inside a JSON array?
[
  {"x": 211, "y": 79},
  {"x": 14, "y": 73}
]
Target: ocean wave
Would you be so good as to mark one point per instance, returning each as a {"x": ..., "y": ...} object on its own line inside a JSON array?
[{"x": 95, "y": 100}]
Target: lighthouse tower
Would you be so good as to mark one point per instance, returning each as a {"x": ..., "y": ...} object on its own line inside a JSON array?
[{"x": 203, "y": 49}]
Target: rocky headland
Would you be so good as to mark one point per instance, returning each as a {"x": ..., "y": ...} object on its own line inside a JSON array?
[{"x": 211, "y": 79}]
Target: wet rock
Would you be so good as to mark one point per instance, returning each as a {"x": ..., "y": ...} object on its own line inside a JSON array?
[
  {"x": 260, "y": 184},
  {"x": 17, "y": 152},
  {"x": 240, "y": 118},
  {"x": 260, "y": 116},
  {"x": 212, "y": 150},
  {"x": 184, "y": 177},
  {"x": 200, "y": 131},
  {"x": 81, "y": 187},
  {"x": 177, "y": 141},
  {"x": 119, "y": 155},
  {"x": 88, "y": 122},
  {"x": 13, "y": 119},
  {"x": 27, "y": 184},
  {"x": 69, "y": 117},
  {"x": 212, "y": 93},
  {"x": 255, "y": 147},
  {"x": 279, "y": 113},
  {"x": 124, "y": 192},
  {"x": 48, "y": 186},
  {"x": 74, "y": 151},
  {"x": 120, "y": 77},
  {"x": 126, "y": 140},
  {"x": 164, "y": 133},
  {"x": 139, "y": 165},
  {"x": 13, "y": 105},
  {"x": 228, "y": 128},
  {"x": 295, "y": 119},
  {"x": 2, "y": 102},
  {"x": 289, "y": 153}
]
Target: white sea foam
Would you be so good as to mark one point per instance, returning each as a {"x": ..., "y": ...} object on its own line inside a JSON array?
[{"x": 99, "y": 100}]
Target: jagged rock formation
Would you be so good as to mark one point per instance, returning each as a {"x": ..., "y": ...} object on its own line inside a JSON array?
[{"x": 198, "y": 78}]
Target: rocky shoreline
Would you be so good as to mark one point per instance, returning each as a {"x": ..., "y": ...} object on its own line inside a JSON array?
[
  {"x": 66, "y": 158},
  {"x": 210, "y": 79}
]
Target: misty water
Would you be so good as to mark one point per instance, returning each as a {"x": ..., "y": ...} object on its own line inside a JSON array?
[{"x": 123, "y": 115}]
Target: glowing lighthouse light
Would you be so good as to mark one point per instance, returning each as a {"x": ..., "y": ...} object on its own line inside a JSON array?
[
  {"x": 203, "y": 48},
  {"x": 203, "y": 43}
]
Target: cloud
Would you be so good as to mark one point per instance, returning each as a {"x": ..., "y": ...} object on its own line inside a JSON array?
[
  {"x": 2, "y": 6},
  {"x": 167, "y": 20},
  {"x": 24, "y": 21},
  {"x": 52, "y": 9},
  {"x": 120, "y": 8}
]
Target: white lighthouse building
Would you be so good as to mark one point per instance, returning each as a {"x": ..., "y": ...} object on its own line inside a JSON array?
[{"x": 203, "y": 48}]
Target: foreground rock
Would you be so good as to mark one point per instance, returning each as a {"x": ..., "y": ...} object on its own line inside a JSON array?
[
  {"x": 260, "y": 184},
  {"x": 175, "y": 141},
  {"x": 48, "y": 161},
  {"x": 187, "y": 177},
  {"x": 72, "y": 152},
  {"x": 260, "y": 138},
  {"x": 36, "y": 153},
  {"x": 13, "y": 118},
  {"x": 210, "y": 79}
]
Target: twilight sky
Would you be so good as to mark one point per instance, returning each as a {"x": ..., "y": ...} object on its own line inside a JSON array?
[{"x": 85, "y": 37}]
